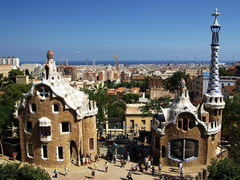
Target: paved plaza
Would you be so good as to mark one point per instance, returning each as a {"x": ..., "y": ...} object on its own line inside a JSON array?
[{"x": 116, "y": 172}]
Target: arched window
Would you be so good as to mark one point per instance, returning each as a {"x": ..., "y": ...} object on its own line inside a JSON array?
[
  {"x": 183, "y": 150},
  {"x": 215, "y": 112},
  {"x": 180, "y": 124},
  {"x": 185, "y": 124}
]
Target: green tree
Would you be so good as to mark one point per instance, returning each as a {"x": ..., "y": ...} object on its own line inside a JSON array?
[
  {"x": 11, "y": 93},
  {"x": 172, "y": 82},
  {"x": 13, "y": 172},
  {"x": 223, "y": 169},
  {"x": 26, "y": 72},
  {"x": 12, "y": 75},
  {"x": 224, "y": 72},
  {"x": 231, "y": 126},
  {"x": 154, "y": 106}
]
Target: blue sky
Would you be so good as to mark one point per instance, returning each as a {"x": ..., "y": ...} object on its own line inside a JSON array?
[{"x": 132, "y": 29}]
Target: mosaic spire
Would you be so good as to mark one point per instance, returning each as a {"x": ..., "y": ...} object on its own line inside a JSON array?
[{"x": 213, "y": 83}]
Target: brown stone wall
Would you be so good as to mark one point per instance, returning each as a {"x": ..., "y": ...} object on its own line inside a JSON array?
[
  {"x": 89, "y": 131},
  {"x": 44, "y": 109},
  {"x": 172, "y": 132},
  {"x": 5, "y": 68}
]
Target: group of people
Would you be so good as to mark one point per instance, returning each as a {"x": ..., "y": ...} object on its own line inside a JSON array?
[{"x": 86, "y": 160}]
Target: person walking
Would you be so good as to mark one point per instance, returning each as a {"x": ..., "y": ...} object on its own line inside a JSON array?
[
  {"x": 114, "y": 159},
  {"x": 106, "y": 166},
  {"x": 129, "y": 175},
  {"x": 153, "y": 171},
  {"x": 95, "y": 166},
  {"x": 66, "y": 170},
  {"x": 181, "y": 172},
  {"x": 93, "y": 174},
  {"x": 128, "y": 158},
  {"x": 160, "y": 168},
  {"x": 55, "y": 172}
]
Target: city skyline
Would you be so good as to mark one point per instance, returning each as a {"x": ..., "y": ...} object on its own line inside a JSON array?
[{"x": 135, "y": 30}]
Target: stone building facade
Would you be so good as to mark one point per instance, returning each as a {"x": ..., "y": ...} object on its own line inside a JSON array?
[
  {"x": 56, "y": 122},
  {"x": 188, "y": 134}
]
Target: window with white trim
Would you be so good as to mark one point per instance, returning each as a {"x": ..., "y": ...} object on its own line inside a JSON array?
[
  {"x": 28, "y": 126},
  {"x": 44, "y": 151},
  {"x": 56, "y": 108},
  {"x": 60, "y": 153},
  {"x": 33, "y": 108},
  {"x": 65, "y": 127},
  {"x": 30, "y": 150}
]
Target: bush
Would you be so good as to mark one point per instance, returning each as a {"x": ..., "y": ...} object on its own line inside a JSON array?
[{"x": 11, "y": 171}]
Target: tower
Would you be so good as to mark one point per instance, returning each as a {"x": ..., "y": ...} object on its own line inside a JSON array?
[
  {"x": 94, "y": 62},
  {"x": 213, "y": 99},
  {"x": 86, "y": 61}
]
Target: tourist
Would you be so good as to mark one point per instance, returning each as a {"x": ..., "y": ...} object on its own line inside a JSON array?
[
  {"x": 160, "y": 168},
  {"x": 83, "y": 160},
  {"x": 55, "y": 172},
  {"x": 180, "y": 166},
  {"x": 90, "y": 156},
  {"x": 146, "y": 168},
  {"x": 121, "y": 163},
  {"x": 181, "y": 172},
  {"x": 66, "y": 170},
  {"x": 95, "y": 166},
  {"x": 93, "y": 174},
  {"x": 132, "y": 168},
  {"x": 114, "y": 159},
  {"x": 153, "y": 170},
  {"x": 106, "y": 166},
  {"x": 129, "y": 175},
  {"x": 128, "y": 158}
]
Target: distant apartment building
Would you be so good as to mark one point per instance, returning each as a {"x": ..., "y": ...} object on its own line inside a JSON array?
[
  {"x": 34, "y": 68},
  {"x": 134, "y": 119},
  {"x": 230, "y": 91},
  {"x": 82, "y": 84},
  {"x": 68, "y": 70},
  {"x": 198, "y": 85},
  {"x": 5, "y": 68},
  {"x": 22, "y": 79},
  {"x": 138, "y": 78},
  {"x": 10, "y": 60},
  {"x": 156, "y": 83},
  {"x": 196, "y": 71}
]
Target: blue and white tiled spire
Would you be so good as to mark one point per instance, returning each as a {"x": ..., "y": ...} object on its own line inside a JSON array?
[
  {"x": 213, "y": 84},
  {"x": 213, "y": 98}
]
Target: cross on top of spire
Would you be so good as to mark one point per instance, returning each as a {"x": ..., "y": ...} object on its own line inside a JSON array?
[{"x": 216, "y": 14}]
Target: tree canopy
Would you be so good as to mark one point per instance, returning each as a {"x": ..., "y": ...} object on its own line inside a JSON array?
[
  {"x": 154, "y": 106},
  {"x": 224, "y": 72},
  {"x": 231, "y": 126},
  {"x": 11, "y": 93},
  {"x": 12, "y": 75},
  {"x": 13, "y": 171},
  {"x": 172, "y": 82},
  {"x": 223, "y": 169}
]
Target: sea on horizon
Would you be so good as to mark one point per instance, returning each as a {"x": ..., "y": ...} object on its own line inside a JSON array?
[{"x": 127, "y": 62}]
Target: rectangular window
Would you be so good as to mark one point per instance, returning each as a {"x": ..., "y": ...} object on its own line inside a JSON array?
[
  {"x": 56, "y": 108},
  {"x": 91, "y": 144},
  {"x": 60, "y": 153},
  {"x": 44, "y": 151},
  {"x": 45, "y": 131},
  {"x": 131, "y": 123},
  {"x": 65, "y": 127},
  {"x": 30, "y": 150},
  {"x": 28, "y": 126},
  {"x": 143, "y": 123},
  {"x": 33, "y": 108}
]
